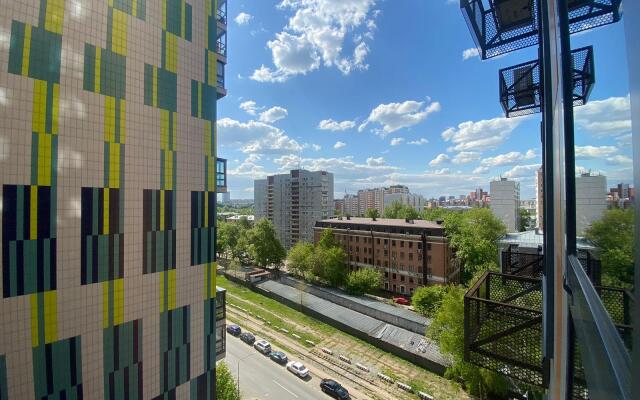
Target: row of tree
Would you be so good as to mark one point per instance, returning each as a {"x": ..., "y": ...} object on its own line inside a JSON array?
[{"x": 256, "y": 245}]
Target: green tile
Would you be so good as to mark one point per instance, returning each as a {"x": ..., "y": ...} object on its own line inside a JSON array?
[
  {"x": 44, "y": 57},
  {"x": 89, "y": 78},
  {"x": 167, "y": 90},
  {"x": 16, "y": 47},
  {"x": 148, "y": 84},
  {"x": 113, "y": 74},
  {"x": 187, "y": 21},
  {"x": 174, "y": 17}
]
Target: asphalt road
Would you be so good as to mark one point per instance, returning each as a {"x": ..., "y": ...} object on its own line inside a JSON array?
[{"x": 261, "y": 378}]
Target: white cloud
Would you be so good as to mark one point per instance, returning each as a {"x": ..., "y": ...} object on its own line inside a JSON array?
[
  {"x": 273, "y": 114},
  {"x": 316, "y": 34},
  {"x": 511, "y": 158},
  {"x": 608, "y": 117},
  {"x": 316, "y": 147},
  {"x": 339, "y": 145},
  {"x": 442, "y": 171},
  {"x": 591, "y": 152},
  {"x": 343, "y": 168},
  {"x": 480, "y": 135},
  {"x": 255, "y": 137},
  {"x": 619, "y": 160},
  {"x": 250, "y": 107},
  {"x": 481, "y": 170},
  {"x": 243, "y": 18},
  {"x": 465, "y": 157},
  {"x": 249, "y": 168},
  {"x": 332, "y": 125},
  {"x": 419, "y": 142},
  {"x": 394, "y": 116},
  {"x": 522, "y": 171},
  {"x": 375, "y": 161},
  {"x": 397, "y": 141},
  {"x": 470, "y": 53},
  {"x": 439, "y": 160}
]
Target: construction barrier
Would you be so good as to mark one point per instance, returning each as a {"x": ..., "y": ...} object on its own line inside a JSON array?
[
  {"x": 385, "y": 377},
  {"x": 325, "y": 350},
  {"x": 310, "y": 342},
  {"x": 425, "y": 396},
  {"x": 362, "y": 367},
  {"x": 296, "y": 336},
  {"x": 405, "y": 387},
  {"x": 345, "y": 359},
  {"x": 284, "y": 330}
]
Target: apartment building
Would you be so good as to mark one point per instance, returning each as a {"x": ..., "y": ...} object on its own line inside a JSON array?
[
  {"x": 109, "y": 262},
  {"x": 408, "y": 253},
  {"x": 505, "y": 202},
  {"x": 591, "y": 200},
  {"x": 294, "y": 202},
  {"x": 539, "y": 199},
  {"x": 374, "y": 198},
  {"x": 410, "y": 199}
]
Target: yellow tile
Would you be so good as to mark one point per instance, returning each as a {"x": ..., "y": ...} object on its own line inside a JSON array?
[
  {"x": 114, "y": 165},
  {"x": 162, "y": 308},
  {"x": 118, "y": 301},
  {"x": 123, "y": 119},
  {"x": 50, "y": 316},
  {"x": 44, "y": 159},
  {"x": 39, "y": 113},
  {"x": 105, "y": 213},
  {"x": 97, "y": 69},
  {"x": 174, "y": 143},
  {"x": 109, "y": 119},
  {"x": 161, "y": 209},
  {"x": 206, "y": 210},
  {"x": 164, "y": 129},
  {"x": 119, "y": 32},
  {"x": 33, "y": 223},
  {"x": 54, "y": 18},
  {"x": 213, "y": 66},
  {"x": 171, "y": 55},
  {"x": 207, "y": 138},
  {"x": 164, "y": 15},
  {"x": 172, "y": 289},
  {"x": 155, "y": 85},
  {"x": 54, "y": 108},
  {"x": 26, "y": 50}
]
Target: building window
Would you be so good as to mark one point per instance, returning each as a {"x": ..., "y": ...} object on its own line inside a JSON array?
[
  {"x": 401, "y": 278},
  {"x": 429, "y": 259},
  {"x": 428, "y": 246},
  {"x": 357, "y": 239},
  {"x": 411, "y": 290},
  {"x": 402, "y": 255},
  {"x": 357, "y": 249},
  {"x": 393, "y": 276},
  {"x": 393, "y": 242},
  {"x": 410, "y": 245},
  {"x": 401, "y": 243},
  {"x": 386, "y": 241},
  {"x": 378, "y": 240},
  {"x": 419, "y": 246},
  {"x": 386, "y": 286},
  {"x": 386, "y": 264},
  {"x": 401, "y": 288},
  {"x": 410, "y": 256},
  {"x": 386, "y": 252},
  {"x": 386, "y": 275},
  {"x": 410, "y": 280},
  {"x": 429, "y": 272}
]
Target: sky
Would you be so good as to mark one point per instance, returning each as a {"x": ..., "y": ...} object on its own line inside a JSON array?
[{"x": 383, "y": 92}]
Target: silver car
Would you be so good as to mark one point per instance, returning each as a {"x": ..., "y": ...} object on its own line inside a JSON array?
[
  {"x": 263, "y": 346},
  {"x": 298, "y": 368}
]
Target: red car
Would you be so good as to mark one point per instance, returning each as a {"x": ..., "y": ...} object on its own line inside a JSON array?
[{"x": 401, "y": 300}]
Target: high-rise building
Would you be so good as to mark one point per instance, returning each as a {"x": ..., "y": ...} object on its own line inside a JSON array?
[
  {"x": 351, "y": 205},
  {"x": 591, "y": 200},
  {"x": 373, "y": 198},
  {"x": 539, "y": 199},
  {"x": 414, "y": 200},
  {"x": 294, "y": 202},
  {"x": 109, "y": 261},
  {"x": 505, "y": 202}
]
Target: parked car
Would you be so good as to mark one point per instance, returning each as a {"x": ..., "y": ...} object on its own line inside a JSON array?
[
  {"x": 235, "y": 330},
  {"x": 334, "y": 389},
  {"x": 298, "y": 369},
  {"x": 401, "y": 300},
  {"x": 278, "y": 357},
  {"x": 262, "y": 346},
  {"x": 247, "y": 338}
]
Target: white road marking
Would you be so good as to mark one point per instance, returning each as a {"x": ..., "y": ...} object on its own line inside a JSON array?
[{"x": 289, "y": 391}]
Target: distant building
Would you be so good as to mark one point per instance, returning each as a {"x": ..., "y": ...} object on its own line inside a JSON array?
[
  {"x": 351, "y": 205},
  {"x": 409, "y": 254},
  {"x": 621, "y": 196},
  {"x": 366, "y": 199},
  {"x": 505, "y": 202},
  {"x": 338, "y": 206},
  {"x": 414, "y": 200},
  {"x": 539, "y": 199},
  {"x": 294, "y": 202},
  {"x": 225, "y": 197},
  {"x": 591, "y": 200}
]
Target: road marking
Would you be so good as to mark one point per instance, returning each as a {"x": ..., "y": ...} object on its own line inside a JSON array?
[{"x": 290, "y": 392}]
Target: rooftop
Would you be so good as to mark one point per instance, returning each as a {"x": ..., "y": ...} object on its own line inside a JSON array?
[
  {"x": 416, "y": 223},
  {"x": 535, "y": 237}
]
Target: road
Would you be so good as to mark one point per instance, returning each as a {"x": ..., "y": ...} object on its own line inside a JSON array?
[{"x": 261, "y": 378}]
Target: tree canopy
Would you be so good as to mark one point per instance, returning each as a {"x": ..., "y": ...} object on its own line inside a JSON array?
[
  {"x": 300, "y": 259},
  {"x": 330, "y": 264},
  {"x": 226, "y": 388},
  {"x": 401, "y": 211},
  {"x": 427, "y": 299},
  {"x": 366, "y": 280},
  {"x": 372, "y": 213},
  {"x": 525, "y": 220},
  {"x": 614, "y": 235},
  {"x": 265, "y": 248}
]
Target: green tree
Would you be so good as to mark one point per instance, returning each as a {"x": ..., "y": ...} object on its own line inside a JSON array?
[
  {"x": 427, "y": 299},
  {"x": 330, "y": 264},
  {"x": 447, "y": 329},
  {"x": 434, "y": 214},
  {"x": 226, "y": 388},
  {"x": 241, "y": 251},
  {"x": 525, "y": 220},
  {"x": 228, "y": 235},
  {"x": 327, "y": 240},
  {"x": 265, "y": 248},
  {"x": 244, "y": 223},
  {"x": 615, "y": 236},
  {"x": 363, "y": 281},
  {"x": 401, "y": 211},
  {"x": 372, "y": 213},
  {"x": 300, "y": 259}
]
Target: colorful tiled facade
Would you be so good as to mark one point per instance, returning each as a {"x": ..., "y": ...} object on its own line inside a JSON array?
[{"x": 107, "y": 198}]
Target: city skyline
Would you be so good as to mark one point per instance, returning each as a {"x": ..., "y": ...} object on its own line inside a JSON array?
[{"x": 303, "y": 102}]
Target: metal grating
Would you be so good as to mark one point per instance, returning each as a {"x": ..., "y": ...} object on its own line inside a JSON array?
[
  {"x": 503, "y": 26},
  {"x": 520, "y": 89},
  {"x": 522, "y": 263},
  {"x": 503, "y": 326}
]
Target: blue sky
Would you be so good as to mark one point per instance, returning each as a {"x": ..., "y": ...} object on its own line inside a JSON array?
[{"x": 390, "y": 92}]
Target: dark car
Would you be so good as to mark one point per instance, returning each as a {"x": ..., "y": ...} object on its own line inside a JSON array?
[
  {"x": 235, "y": 330},
  {"x": 247, "y": 338},
  {"x": 278, "y": 357},
  {"x": 334, "y": 389}
]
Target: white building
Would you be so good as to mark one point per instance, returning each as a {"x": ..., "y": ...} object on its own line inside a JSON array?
[
  {"x": 294, "y": 202},
  {"x": 505, "y": 202},
  {"x": 591, "y": 200},
  {"x": 539, "y": 199},
  {"x": 414, "y": 200}
]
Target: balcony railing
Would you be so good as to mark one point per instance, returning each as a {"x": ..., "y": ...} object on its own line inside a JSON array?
[
  {"x": 221, "y": 175},
  {"x": 222, "y": 12},
  {"x": 221, "y": 323},
  {"x": 221, "y": 45}
]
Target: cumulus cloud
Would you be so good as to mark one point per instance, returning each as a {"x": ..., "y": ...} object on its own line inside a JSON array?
[
  {"x": 465, "y": 157},
  {"x": 439, "y": 160},
  {"x": 481, "y": 170},
  {"x": 243, "y": 18},
  {"x": 591, "y": 152},
  {"x": 522, "y": 171},
  {"x": 480, "y": 135},
  {"x": 249, "y": 168},
  {"x": 397, "y": 141},
  {"x": 273, "y": 114},
  {"x": 332, "y": 125},
  {"x": 316, "y": 147},
  {"x": 608, "y": 117},
  {"x": 510, "y": 158},
  {"x": 419, "y": 142},
  {"x": 250, "y": 107},
  {"x": 339, "y": 145},
  {"x": 619, "y": 160},
  {"x": 343, "y": 167},
  {"x": 394, "y": 116},
  {"x": 470, "y": 53},
  {"x": 316, "y": 34},
  {"x": 255, "y": 137}
]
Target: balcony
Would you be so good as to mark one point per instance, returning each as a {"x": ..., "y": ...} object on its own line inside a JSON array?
[
  {"x": 501, "y": 26},
  {"x": 221, "y": 323},
  {"x": 221, "y": 13},
  {"x": 221, "y": 175}
]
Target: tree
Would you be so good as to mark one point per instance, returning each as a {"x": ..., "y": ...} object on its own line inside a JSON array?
[
  {"x": 226, "y": 388},
  {"x": 427, "y": 299},
  {"x": 434, "y": 214},
  {"x": 614, "y": 235},
  {"x": 401, "y": 211},
  {"x": 300, "y": 259},
  {"x": 327, "y": 240},
  {"x": 363, "y": 281},
  {"x": 228, "y": 235},
  {"x": 265, "y": 248},
  {"x": 447, "y": 329},
  {"x": 525, "y": 220},
  {"x": 330, "y": 264},
  {"x": 372, "y": 213}
]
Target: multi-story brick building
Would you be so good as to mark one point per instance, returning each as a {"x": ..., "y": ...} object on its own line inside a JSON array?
[{"x": 409, "y": 254}]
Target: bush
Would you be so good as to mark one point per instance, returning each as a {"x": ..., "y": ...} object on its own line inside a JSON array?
[
  {"x": 363, "y": 281},
  {"x": 427, "y": 299},
  {"x": 226, "y": 388}
]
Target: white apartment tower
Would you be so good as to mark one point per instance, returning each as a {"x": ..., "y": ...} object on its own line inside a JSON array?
[
  {"x": 505, "y": 202},
  {"x": 294, "y": 202},
  {"x": 591, "y": 200}
]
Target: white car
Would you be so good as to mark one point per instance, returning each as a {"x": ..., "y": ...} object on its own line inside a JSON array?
[
  {"x": 262, "y": 346},
  {"x": 298, "y": 368}
]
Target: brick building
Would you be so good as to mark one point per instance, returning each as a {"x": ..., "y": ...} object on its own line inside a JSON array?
[{"x": 410, "y": 254}]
